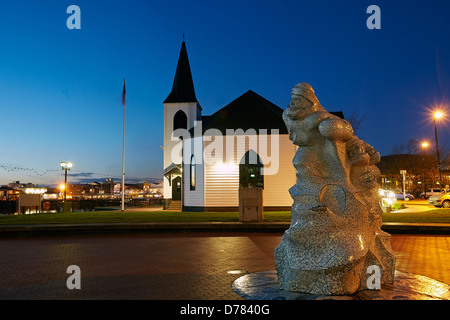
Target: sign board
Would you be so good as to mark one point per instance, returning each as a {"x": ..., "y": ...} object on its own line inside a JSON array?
[
  {"x": 29, "y": 200},
  {"x": 251, "y": 204}
]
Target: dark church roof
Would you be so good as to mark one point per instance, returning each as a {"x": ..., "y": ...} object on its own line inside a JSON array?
[
  {"x": 183, "y": 86},
  {"x": 249, "y": 111}
]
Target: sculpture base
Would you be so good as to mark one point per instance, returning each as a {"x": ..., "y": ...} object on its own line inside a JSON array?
[{"x": 407, "y": 286}]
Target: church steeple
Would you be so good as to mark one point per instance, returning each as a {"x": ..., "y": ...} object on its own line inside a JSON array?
[{"x": 183, "y": 86}]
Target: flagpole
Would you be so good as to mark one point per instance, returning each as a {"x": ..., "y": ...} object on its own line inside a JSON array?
[{"x": 123, "y": 149}]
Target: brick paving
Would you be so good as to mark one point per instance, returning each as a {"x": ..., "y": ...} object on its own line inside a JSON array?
[
  {"x": 427, "y": 255},
  {"x": 168, "y": 266}
]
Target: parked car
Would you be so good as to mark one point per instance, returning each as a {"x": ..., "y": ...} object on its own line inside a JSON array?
[
  {"x": 432, "y": 192},
  {"x": 441, "y": 200},
  {"x": 399, "y": 196}
]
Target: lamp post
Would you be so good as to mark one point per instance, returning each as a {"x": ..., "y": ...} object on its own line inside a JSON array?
[
  {"x": 61, "y": 189},
  {"x": 438, "y": 115},
  {"x": 423, "y": 145},
  {"x": 65, "y": 166}
]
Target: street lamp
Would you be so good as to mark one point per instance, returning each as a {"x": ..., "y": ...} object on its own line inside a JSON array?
[
  {"x": 438, "y": 115},
  {"x": 423, "y": 145},
  {"x": 65, "y": 166}
]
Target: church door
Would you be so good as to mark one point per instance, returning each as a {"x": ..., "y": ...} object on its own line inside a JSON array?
[{"x": 176, "y": 188}]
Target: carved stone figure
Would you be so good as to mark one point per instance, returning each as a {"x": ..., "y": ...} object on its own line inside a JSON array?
[{"x": 335, "y": 233}]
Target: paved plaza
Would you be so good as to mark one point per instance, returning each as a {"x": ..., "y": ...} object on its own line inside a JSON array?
[{"x": 168, "y": 266}]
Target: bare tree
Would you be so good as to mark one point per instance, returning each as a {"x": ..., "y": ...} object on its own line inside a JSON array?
[
  {"x": 398, "y": 149},
  {"x": 356, "y": 120},
  {"x": 414, "y": 146}
]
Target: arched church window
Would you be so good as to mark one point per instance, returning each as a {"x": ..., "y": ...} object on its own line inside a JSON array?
[
  {"x": 192, "y": 172},
  {"x": 250, "y": 171},
  {"x": 180, "y": 120}
]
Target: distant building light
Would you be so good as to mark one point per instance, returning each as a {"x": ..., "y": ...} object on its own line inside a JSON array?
[{"x": 35, "y": 190}]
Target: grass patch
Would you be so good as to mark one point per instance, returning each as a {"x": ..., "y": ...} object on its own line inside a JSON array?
[
  {"x": 134, "y": 217},
  {"x": 398, "y": 206},
  {"x": 430, "y": 216}
]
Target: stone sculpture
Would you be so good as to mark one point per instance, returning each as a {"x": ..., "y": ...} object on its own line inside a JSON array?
[{"x": 335, "y": 233}]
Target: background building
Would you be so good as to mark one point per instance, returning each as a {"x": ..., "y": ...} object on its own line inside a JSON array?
[{"x": 421, "y": 173}]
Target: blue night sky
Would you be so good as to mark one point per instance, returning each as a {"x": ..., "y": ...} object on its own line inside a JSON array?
[{"x": 61, "y": 89}]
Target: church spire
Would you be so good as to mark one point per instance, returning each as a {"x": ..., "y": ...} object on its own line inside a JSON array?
[{"x": 183, "y": 86}]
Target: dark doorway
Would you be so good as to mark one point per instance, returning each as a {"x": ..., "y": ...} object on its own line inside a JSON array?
[
  {"x": 176, "y": 188},
  {"x": 250, "y": 171}
]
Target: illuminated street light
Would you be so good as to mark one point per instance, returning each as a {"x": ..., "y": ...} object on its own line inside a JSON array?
[
  {"x": 61, "y": 189},
  {"x": 65, "y": 166},
  {"x": 424, "y": 145},
  {"x": 438, "y": 115}
]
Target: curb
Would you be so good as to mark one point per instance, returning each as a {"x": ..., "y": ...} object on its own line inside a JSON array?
[
  {"x": 191, "y": 227},
  {"x": 151, "y": 227},
  {"x": 416, "y": 228}
]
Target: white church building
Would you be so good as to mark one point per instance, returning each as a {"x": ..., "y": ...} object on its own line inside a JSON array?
[{"x": 207, "y": 158}]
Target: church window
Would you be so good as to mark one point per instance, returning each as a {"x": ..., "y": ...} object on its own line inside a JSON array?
[
  {"x": 192, "y": 172},
  {"x": 250, "y": 171},
  {"x": 180, "y": 120}
]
